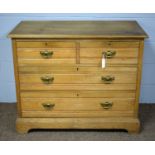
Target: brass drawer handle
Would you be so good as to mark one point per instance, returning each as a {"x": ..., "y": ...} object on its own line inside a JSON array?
[
  {"x": 46, "y": 54},
  {"x": 109, "y": 54},
  {"x": 47, "y": 79},
  {"x": 108, "y": 79},
  {"x": 48, "y": 106},
  {"x": 107, "y": 105}
]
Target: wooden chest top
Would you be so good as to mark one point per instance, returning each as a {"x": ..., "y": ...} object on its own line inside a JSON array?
[{"x": 78, "y": 29}]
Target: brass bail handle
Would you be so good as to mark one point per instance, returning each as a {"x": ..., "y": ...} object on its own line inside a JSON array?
[
  {"x": 108, "y": 79},
  {"x": 109, "y": 54},
  {"x": 107, "y": 105},
  {"x": 48, "y": 106},
  {"x": 47, "y": 79},
  {"x": 46, "y": 54}
]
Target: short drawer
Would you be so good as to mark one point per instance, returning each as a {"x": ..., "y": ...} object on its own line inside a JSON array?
[
  {"x": 97, "y": 106},
  {"x": 46, "y": 53},
  {"x": 104, "y": 78},
  {"x": 41, "y": 57},
  {"x": 114, "y": 56},
  {"x": 109, "y": 52},
  {"x": 116, "y": 52}
]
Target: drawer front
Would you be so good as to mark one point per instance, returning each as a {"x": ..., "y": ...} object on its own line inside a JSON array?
[
  {"x": 105, "y": 78},
  {"x": 67, "y": 104},
  {"x": 125, "y": 56},
  {"x": 46, "y": 53},
  {"x": 76, "y": 69},
  {"x": 113, "y": 52},
  {"x": 66, "y": 87},
  {"x": 89, "y": 105},
  {"x": 116, "y": 53},
  {"x": 78, "y": 93}
]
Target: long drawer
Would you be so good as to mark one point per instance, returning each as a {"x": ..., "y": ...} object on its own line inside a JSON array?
[
  {"x": 78, "y": 93},
  {"x": 75, "y": 69},
  {"x": 66, "y": 87},
  {"x": 76, "y": 104},
  {"x": 66, "y": 106},
  {"x": 105, "y": 78}
]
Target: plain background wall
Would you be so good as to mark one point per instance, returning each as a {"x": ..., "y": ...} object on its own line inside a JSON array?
[{"x": 9, "y": 21}]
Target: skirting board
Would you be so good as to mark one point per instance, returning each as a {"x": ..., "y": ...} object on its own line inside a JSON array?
[{"x": 23, "y": 125}]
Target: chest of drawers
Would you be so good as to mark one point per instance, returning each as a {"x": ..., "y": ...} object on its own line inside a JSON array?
[{"x": 78, "y": 75}]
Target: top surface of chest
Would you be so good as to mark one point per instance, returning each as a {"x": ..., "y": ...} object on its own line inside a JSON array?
[{"x": 78, "y": 29}]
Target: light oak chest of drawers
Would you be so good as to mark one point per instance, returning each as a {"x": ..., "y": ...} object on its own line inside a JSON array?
[{"x": 61, "y": 80}]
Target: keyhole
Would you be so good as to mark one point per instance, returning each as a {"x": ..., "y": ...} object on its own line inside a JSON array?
[
  {"x": 77, "y": 69},
  {"x": 77, "y": 95}
]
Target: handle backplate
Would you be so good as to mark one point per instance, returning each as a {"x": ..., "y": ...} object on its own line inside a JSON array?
[
  {"x": 108, "y": 79},
  {"x": 109, "y": 54},
  {"x": 48, "y": 106},
  {"x": 47, "y": 79},
  {"x": 107, "y": 105},
  {"x": 46, "y": 54}
]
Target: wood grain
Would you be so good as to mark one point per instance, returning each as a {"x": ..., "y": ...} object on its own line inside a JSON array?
[
  {"x": 78, "y": 78},
  {"x": 108, "y": 44},
  {"x": 34, "y": 53},
  {"x": 77, "y": 114},
  {"x": 16, "y": 75},
  {"x": 78, "y": 93},
  {"x": 139, "y": 75},
  {"x": 72, "y": 69},
  {"x": 37, "y": 62},
  {"x": 110, "y": 62},
  {"x": 78, "y": 29},
  {"x": 46, "y": 44},
  {"x": 76, "y": 104},
  {"x": 67, "y": 87},
  {"x": 98, "y": 52},
  {"x": 132, "y": 125}
]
